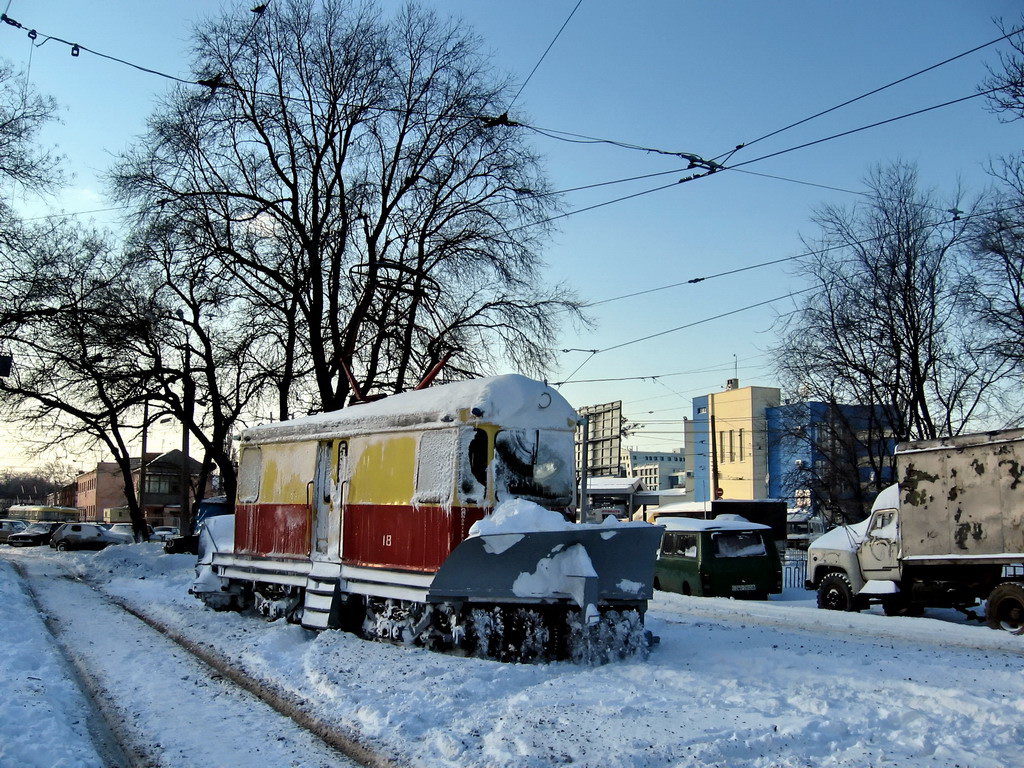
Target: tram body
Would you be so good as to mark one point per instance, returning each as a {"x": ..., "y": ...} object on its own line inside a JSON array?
[{"x": 364, "y": 518}]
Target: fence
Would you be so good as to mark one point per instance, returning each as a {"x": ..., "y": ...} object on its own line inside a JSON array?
[{"x": 794, "y": 569}]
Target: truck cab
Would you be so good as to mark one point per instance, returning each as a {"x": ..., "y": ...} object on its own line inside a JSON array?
[{"x": 854, "y": 564}]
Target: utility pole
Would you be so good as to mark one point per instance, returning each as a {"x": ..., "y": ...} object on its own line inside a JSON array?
[
  {"x": 714, "y": 447},
  {"x": 584, "y": 469},
  {"x": 142, "y": 464},
  {"x": 188, "y": 405}
]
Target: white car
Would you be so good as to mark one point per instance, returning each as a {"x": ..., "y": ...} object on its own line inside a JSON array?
[
  {"x": 123, "y": 532},
  {"x": 163, "y": 533}
]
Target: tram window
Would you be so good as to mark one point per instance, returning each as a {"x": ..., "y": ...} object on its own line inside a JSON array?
[
  {"x": 535, "y": 464},
  {"x": 249, "y": 470},
  {"x": 435, "y": 467},
  {"x": 473, "y": 462}
]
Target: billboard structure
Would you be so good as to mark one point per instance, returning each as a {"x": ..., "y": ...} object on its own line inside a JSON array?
[{"x": 605, "y": 441}]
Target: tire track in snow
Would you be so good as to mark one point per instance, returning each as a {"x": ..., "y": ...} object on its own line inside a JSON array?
[{"x": 226, "y": 696}]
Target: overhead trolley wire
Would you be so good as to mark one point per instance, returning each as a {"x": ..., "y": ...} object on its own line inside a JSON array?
[
  {"x": 876, "y": 90},
  {"x": 544, "y": 55},
  {"x": 958, "y": 216},
  {"x": 862, "y": 128},
  {"x": 706, "y": 320}
]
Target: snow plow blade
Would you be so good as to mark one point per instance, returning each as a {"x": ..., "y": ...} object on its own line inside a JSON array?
[{"x": 589, "y": 565}]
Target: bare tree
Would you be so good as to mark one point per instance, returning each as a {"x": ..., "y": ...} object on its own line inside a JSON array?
[
  {"x": 995, "y": 279},
  {"x": 26, "y": 168},
  {"x": 1005, "y": 82},
  {"x": 66, "y": 315},
  {"x": 348, "y": 175},
  {"x": 887, "y": 325}
]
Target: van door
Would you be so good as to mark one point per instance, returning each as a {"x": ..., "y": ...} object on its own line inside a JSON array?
[{"x": 879, "y": 552}]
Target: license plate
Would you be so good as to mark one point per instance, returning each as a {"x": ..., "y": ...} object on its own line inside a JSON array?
[{"x": 744, "y": 587}]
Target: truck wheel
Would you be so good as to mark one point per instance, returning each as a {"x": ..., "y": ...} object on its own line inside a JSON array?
[
  {"x": 836, "y": 594},
  {"x": 1005, "y": 608}
]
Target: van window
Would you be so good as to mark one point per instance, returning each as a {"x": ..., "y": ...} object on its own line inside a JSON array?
[
  {"x": 668, "y": 544},
  {"x": 686, "y": 544},
  {"x": 739, "y": 544}
]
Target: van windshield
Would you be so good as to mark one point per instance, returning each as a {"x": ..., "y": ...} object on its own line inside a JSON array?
[{"x": 739, "y": 544}]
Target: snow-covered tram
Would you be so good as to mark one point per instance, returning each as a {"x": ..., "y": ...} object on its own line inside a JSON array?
[{"x": 438, "y": 516}]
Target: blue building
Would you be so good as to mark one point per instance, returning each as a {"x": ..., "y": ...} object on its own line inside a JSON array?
[
  {"x": 742, "y": 443},
  {"x": 829, "y": 458}
]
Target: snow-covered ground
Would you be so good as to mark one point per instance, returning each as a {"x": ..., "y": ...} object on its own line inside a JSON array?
[{"x": 731, "y": 684}]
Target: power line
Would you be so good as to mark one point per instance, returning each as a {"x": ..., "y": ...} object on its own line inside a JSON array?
[
  {"x": 652, "y": 377},
  {"x": 863, "y": 128},
  {"x": 76, "y": 213},
  {"x": 707, "y": 319},
  {"x": 958, "y": 216},
  {"x": 860, "y": 193},
  {"x": 608, "y": 202},
  {"x": 876, "y": 90},
  {"x": 543, "y": 55},
  {"x": 77, "y": 48}
]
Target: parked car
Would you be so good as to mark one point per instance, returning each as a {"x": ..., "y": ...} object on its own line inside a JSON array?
[
  {"x": 189, "y": 544},
  {"x": 163, "y": 533},
  {"x": 7, "y": 527},
  {"x": 718, "y": 558},
  {"x": 126, "y": 533},
  {"x": 85, "y": 536},
  {"x": 35, "y": 535}
]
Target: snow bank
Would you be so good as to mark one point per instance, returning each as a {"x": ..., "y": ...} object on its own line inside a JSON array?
[{"x": 732, "y": 683}]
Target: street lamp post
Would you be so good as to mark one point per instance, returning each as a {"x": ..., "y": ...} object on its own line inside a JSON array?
[
  {"x": 142, "y": 460},
  {"x": 188, "y": 400}
]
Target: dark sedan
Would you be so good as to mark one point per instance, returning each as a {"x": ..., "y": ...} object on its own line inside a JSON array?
[{"x": 35, "y": 535}]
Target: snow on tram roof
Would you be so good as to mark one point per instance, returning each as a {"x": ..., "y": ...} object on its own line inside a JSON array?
[{"x": 510, "y": 400}]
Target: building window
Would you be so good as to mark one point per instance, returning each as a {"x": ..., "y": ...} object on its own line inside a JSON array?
[
  {"x": 741, "y": 445},
  {"x": 702, "y": 410},
  {"x": 732, "y": 447},
  {"x": 162, "y": 484}
]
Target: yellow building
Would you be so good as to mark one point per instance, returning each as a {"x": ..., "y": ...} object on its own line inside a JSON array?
[{"x": 738, "y": 440}]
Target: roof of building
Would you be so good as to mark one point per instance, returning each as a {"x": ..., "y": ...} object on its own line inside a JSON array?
[{"x": 613, "y": 485}]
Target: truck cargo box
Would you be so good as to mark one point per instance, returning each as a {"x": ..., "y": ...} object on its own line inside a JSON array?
[{"x": 962, "y": 497}]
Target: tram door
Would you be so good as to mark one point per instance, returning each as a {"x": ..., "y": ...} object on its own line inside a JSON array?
[{"x": 329, "y": 486}]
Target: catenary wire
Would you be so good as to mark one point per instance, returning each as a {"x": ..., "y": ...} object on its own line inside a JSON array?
[
  {"x": 544, "y": 55},
  {"x": 876, "y": 90},
  {"x": 694, "y": 280},
  {"x": 863, "y": 128}
]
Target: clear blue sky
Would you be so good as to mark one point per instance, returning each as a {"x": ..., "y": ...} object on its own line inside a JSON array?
[{"x": 692, "y": 76}]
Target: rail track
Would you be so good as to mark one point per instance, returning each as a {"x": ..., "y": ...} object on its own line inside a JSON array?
[{"x": 222, "y": 702}]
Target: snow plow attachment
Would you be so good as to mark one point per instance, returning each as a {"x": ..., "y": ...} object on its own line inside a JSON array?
[{"x": 591, "y": 566}]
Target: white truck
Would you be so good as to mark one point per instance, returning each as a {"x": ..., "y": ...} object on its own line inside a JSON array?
[{"x": 949, "y": 534}]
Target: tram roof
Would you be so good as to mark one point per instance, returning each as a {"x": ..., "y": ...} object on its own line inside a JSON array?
[{"x": 510, "y": 400}]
